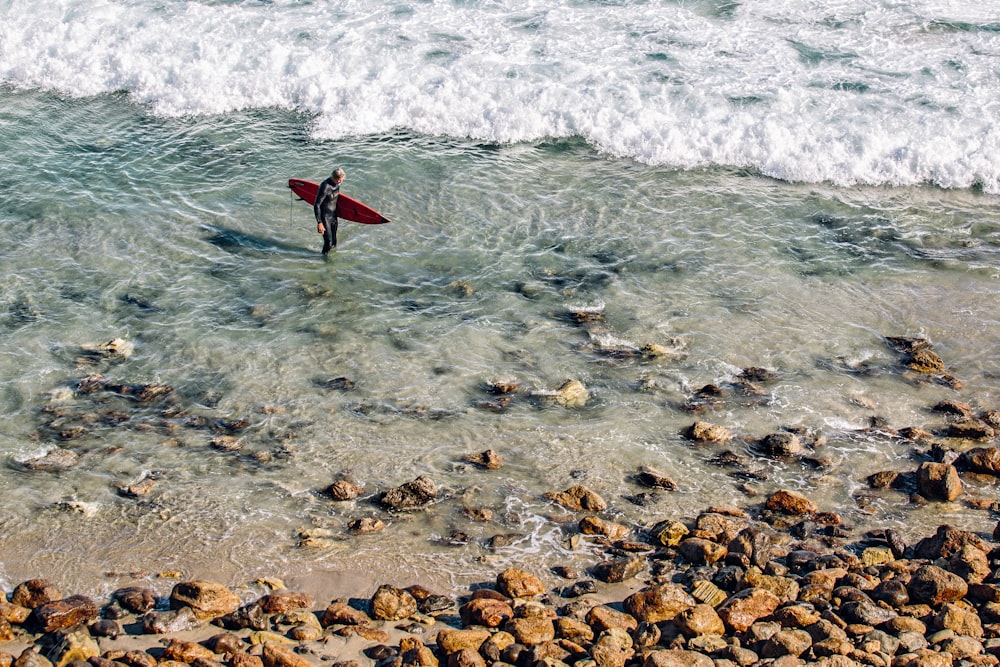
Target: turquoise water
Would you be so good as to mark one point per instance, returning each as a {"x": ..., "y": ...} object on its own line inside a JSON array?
[{"x": 179, "y": 236}]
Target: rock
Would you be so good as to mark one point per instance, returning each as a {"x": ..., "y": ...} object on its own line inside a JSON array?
[
  {"x": 933, "y": 585},
  {"x": 923, "y": 658},
  {"x": 108, "y": 628},
  {"x": 985, "y": 460},
  {"x": 392, "y": 604},
  {"x": 971, "y": 563},
  {"x": 578, "y": 498},
  {"x": 411, "y": 495},
  {"x": 699, "y": 551},
  {"x": 276, "y": 655},
  {"x": 592, "y": 525},
  {"x": 486, "y": 612},
  {"x": 531, "y": 631},
  {"x": 677, "y": 658},
  {"x": 515, "y": 583},
  {"x": 963, "y": 648},
  {"x": 185, "y": 651},
  {"x": 453, "y": 641},
  {"x": 53, "y": 461},
  {"x": 706, "y": 432},
  {"x": 207, "y": 599},
  {"x": 618, "y": 570},
  {"x": 602, "y": 618},
  {"x": 344, "y": 490},
  {"x": 572, "y": 394},
  {"x": 367, "y": 524},
  {"x": 34, "y": 593},
  {"x": 488, "y": 460},
  {"x": 166, "y": 622},
  {"x": 793, "y": 642},
  {"x": 925, "y": 361},
  {"x": 752, "y": 545},
  {"x": 701, "y": 619},
  {"x": 65, "y": 613},
  {"x": 865, "y": 612},
  {"x": 655, "y": 479},
  {"x": 960, "y": 620},
  {"x": 30, "y": 657},
  {"x": 656, "y": 604},
  {"x": 341, "y": 613},
  {"x": 938, "y": 481},
  {"x": 707, "y": 592},
  {"x": 68, "y": 645},
  {"x": 670, "y": 533},
  {"x": 136, "y": 599},
  {"x": 946, "y": 542},
  {"x": 748, "y": 606},
  {"x": 282, "y": 602},
  {"x": 782, "y": 445},
  {"x": 791, "y": 503},
  {"x": 971, "y": 429},
  {"x": 785, "y": 588}
]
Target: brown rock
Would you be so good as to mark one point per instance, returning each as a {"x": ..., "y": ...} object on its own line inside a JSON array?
[
  {"x": 71, "y": 645},
  {"x": 515, "y": 583},
  {"x": 985, "y": 460},
  {"x": 788, "y": 502},
  {"x": 411, "y": 495},
  {"x": 578, "y": 498},
  {"x": 30, "y": 657},
  {"x": 655, "y": 479},
  {"x": 276, "y": 655},
  {"x": 136, "y": 599},
  {"x": 923, "y": 658},
  {"x": 946, "y": 542},
  {"x": 185, "y": 651},
  {"x": 753, "y": 545},
  {"x": 926, "y": 361},
  {"x": 706, "y": 432},
  {"x": 452, "y": 641},
  {"x": 748, "y": 606},
  {"x": 392, "y": 604},
  {"x": 531, "y": 631},
  {"x": 466, "y": 657},
  {"x": 782, "y": 445},
  {"x": 486, "y": 612},
  {"x": 207, "y": 599},
  {"x": 282, "y": 602},
  {"x": 934, "y": 586},
  {"x": 65, "y": 613},
  {"x": 13, "y": 613},
  {"x": 612, "y": 649},
  {"x": 367, "y": 524},
  {"x": 971, "y": 429},
  {"x": 962, "y": 620},
  {"x": 343, "y": 489},
  {"x": 793, "y": 642},
  {"x": 489, "y": 460},
  {"x": 618, "y": 570},
  {"x": 573, "y": 629},
  {"x": 655, "y": 604},
  {"x": 602, "y": 617},
  {"x": 677, "y": 658},
  {"x": 34, "y": 593},
  {"x": 701, "y": 619},
  {"x": 971, "y": 563},
  {"x": 592, "y": 525},
  {"x": 699, "y": 551},
  {"x": 245, "y": 660},
  {"x": 938, "y": 481},
  {"x": 166, "y": 622},
  {"x": 670, "y": 533},
  {"x": 341, "y": 613}
]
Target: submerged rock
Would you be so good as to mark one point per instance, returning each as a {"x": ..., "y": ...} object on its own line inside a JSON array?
[{"x": 411, "y": 495}]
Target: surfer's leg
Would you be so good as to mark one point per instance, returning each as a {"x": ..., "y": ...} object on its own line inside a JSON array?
[{"x": 329, "y": 235}]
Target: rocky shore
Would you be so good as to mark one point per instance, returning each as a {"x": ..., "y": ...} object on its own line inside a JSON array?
[{"x": 780, "y": 583}]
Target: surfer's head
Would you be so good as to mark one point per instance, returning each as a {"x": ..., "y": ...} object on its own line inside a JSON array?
[{"x": 338, "y": 175}]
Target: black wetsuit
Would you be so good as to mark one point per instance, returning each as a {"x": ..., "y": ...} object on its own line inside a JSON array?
[{"x": 325, "y": 209}]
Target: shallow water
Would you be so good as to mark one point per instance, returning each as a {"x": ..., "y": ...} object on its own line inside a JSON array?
[{"x": 180, "y": 236}]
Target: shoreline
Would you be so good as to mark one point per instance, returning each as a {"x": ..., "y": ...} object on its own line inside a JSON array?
[{"x": 781, "y": 582}]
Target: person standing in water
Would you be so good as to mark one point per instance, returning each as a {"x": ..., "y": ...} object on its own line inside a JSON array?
[{"x": 325, "y": 208}]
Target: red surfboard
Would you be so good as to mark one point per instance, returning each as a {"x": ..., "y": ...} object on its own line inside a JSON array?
[{"x": 347, "y": 208}]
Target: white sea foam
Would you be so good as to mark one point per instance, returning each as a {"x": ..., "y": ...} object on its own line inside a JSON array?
[{"x": 843, "y": 91}]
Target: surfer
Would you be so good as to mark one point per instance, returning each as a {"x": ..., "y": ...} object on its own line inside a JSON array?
[{"x": 325, "y": 208}]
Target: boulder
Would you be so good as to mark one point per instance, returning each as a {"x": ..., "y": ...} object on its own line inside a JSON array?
[
  {"x": 515, "y": 583},
  {"x": 452, "y": 641},
  {"x": 486, "y": 612},
  {"x": 34, "y": 593},
  {"x": 787, "y": 502},
  {"x": 65, "y": 613},
  {"x": 531, "y": 631},
  {"x": 700, "y": 551},
  {"x": 748, "y": 606},
  {"x": 602, "y": 617},
  {"x": 207, "y": 599},
  {"x": 933, "y": 585},
  {"x": 985, "y": 460},
  {"x": 701, "y": 619},
  {"x": 341, "y": 613},
  {"x": 392, "y": 604},
  {"x": 656, "y": 604},
  {"x": 938, "y": 481},
  {"x": 781, "y": 445},
  {"x": 578, "y": 498},
  {"x": 411, "y": 495},
  {"x": 706, "y": 432}
]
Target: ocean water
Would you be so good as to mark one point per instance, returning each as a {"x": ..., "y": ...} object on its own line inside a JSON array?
[{"x": 747, "y": 184}]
